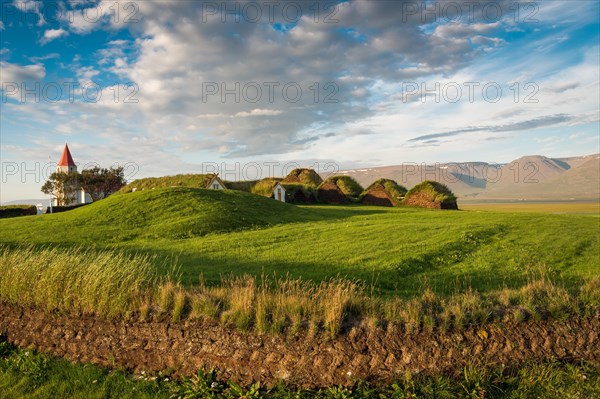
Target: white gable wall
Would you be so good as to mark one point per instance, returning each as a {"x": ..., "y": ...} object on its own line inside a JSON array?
[
  {"x": 279, "y": 193},
  {"x": 215, "y": 185}
]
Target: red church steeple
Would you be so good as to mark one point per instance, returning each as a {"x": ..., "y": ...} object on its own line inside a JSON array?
[{"x": 66, "y": 159}]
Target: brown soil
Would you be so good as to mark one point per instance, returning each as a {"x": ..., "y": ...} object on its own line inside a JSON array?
[
  {"x": 361, "y": 352},
  {"x": 426, "y": 200},
  {"x": 379, "y": 196}
]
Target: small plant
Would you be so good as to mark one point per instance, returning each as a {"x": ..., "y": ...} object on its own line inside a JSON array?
[
  {"x": 590, "y": 295},
  {"x": 236, "y": 391},
  {"x": 338, "y": 392},
  {"x": 180, "y": 304},
  {"x": 34, "y": 367},
  {"x": 411, "y": 315},
  {"x": 166, "y": 296},
  {"x": 336, "y": 297},
  {"x": 202, "y": 385},
  {"x": 204, "y": 305},
  {"x": 145, "y": 308}
]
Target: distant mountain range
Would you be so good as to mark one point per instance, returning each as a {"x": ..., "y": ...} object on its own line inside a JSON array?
[
  {"x": 43, "y": 201},
  {"x": 531, "y": 178}
]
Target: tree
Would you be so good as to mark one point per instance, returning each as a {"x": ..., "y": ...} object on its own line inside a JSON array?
[
  {"x": 63, "y": 186},
  {"x": 99, "y": 182}
]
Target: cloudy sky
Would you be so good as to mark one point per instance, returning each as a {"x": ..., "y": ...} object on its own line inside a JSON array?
[{"x": 172, "y": 87}]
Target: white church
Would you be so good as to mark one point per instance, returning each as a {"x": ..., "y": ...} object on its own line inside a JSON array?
[{"x": 66, "y": 164}]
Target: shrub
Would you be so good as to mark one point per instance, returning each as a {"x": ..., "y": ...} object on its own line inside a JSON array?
[{"x": 11, "y": 211}]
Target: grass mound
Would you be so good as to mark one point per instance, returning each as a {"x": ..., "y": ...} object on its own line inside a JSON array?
[
  {"x": 265, "y": 187},
  {"x": 390, "y": 185},
  {"x": 189, "y": 180},
  {"x": 241, "y": 185},
  {"x": 170, "y": 213},
  {"x": 348, "y": 186},
  {"x": 431, "y": 194},
  {"x": 307, "y": 177}
]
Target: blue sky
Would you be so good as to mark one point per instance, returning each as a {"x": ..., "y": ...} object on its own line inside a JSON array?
[{"x": 142, "y": 84}]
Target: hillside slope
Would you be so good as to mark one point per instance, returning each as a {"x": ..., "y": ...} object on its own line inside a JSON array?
[{"x": 162, "y": 213}]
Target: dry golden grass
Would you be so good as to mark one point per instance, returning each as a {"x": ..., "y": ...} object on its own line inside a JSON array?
[{"x": 115, "y": 284}]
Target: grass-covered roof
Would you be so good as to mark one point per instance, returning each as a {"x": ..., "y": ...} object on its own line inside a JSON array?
[
  {"x": 440, "y": 192},
  {"x": 184, "y": 180},
  {"x": 347, "y": 185},
  {"x": 395, "y": 189},
  {"x": 304, "y": 176}
]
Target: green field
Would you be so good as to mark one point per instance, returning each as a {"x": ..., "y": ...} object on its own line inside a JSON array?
[
  {"x": 395, "y": 250},
  {"x": 565, "y": 207},
  {"x": 112, "y": 257}
]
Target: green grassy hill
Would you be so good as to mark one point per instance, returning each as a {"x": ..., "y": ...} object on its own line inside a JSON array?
[
  {"x": 170, "y": 213},
  {"x": 396, "y": 250}
]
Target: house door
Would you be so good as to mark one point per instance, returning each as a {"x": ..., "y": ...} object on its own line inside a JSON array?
[{"x": 278, "y": 194}]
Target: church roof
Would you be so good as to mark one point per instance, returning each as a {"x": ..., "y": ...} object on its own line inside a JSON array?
[{"x": 66, "y": 159}]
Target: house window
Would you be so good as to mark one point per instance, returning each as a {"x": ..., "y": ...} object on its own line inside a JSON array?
[{"x": 216, "y": 186}]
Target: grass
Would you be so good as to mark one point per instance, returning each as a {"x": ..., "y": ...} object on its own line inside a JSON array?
[
  {"x": 113, "y": 284},
  {"x": 27, "y": 374},
  {"x": 396, "y": 191},
  {"x": 348, "y": 186},
  {"x": 106, "y": 283},
  {"x": 582, "y": 208},
  {"x": 256, "y": 264},
  {"x": 307, "y": 177},
  {"x": 265, "y": 187},
  {"x": 215, "y": 233},
  {"x": 438, "y": 191},
  {"x": 189, "y": 180},
  {"x": 172, "y": 213}
]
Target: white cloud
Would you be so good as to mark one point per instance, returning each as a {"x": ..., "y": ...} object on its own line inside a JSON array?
[
  {"x": 52, "y": 34},
  {"x": 21, "y": 73},
  {"x": 85, "y": 74},
  {"x": 367, "y": 55},
  {"x": 100, "y": 14},
  {"x": 33, "y": 6},
  {"x": 14, "y": 78},
  {"x": 259, "y": 112},
  {"x": 176, "y": 57}
]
